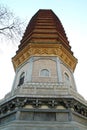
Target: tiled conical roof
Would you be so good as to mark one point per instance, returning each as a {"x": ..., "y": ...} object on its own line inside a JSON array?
[
  {"x": 45, "y": 27},
  {"x": 44, "y": 36}
]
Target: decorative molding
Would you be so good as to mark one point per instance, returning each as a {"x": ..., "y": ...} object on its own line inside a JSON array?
[
  {"x": 45, "y": 50},
  {"x": 21, "y": 102}
]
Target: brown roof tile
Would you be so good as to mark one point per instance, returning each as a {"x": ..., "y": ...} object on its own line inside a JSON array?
[{"x": 45, "y": 25}]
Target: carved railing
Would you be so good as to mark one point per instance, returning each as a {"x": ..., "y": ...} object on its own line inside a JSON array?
[
  {"x": 43, "y": 85},
  {"x": 42, "y": 89},
  {"x": 47, "y": 89}
]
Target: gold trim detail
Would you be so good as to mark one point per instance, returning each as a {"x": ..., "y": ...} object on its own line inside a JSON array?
[{"x": 44, "y": 50}]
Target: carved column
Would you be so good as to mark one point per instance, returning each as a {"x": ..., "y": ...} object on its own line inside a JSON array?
[{"x": 59, "y": 72}]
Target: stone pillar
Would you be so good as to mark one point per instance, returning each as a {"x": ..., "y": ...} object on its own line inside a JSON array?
[
  {"x": 59, "y": 73},
  {"x": 29, "y": 71},
  {"x": 13, "y": 86}
]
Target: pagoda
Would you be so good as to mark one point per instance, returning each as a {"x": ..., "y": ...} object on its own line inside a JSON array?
[{"x": 44, "y": 95}]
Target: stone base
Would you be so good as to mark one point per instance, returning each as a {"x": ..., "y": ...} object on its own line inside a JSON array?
[
  {"x": 22, "y": 125},
  {"x": 37, "y": 119},
  {"x": 23, "y": 113}
]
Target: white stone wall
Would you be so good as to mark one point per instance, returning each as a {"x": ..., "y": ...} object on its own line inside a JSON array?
[
  {"x": 54, "y": 65},
  {"x": 66, "y": 70},
  {"x": 44, "y": 63},
  {"x": 23, "y": 68}
]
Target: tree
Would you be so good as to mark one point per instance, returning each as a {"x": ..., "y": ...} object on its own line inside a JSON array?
[{"x": 11, "y": 27}]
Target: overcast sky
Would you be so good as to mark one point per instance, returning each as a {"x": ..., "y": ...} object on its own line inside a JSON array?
[{"x": 73, "y": 15}]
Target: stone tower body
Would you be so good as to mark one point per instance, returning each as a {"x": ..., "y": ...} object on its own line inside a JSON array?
[{"x": 44, "y": 94}]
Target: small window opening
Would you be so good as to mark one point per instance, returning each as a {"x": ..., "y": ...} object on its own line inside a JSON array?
[
  {"x": 21, "y": 80},
  {"x": 67, "y": 80},
  {"x": 44, "y": 73}
]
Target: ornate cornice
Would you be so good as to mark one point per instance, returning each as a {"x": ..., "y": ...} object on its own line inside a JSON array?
[
  {"x": 45, "y": 50},
  {"x": 21, "y": 102}
]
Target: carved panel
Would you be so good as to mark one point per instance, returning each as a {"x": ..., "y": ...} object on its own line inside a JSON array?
[{"x": 49, "y": 50}]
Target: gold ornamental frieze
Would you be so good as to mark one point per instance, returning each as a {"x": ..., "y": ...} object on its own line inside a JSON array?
[{"x": 58, "y": 51}]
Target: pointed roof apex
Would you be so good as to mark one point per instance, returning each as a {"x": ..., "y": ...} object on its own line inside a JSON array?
[
  {"x": 45, "y": 35},
  {"x": 45, "y": 27}
]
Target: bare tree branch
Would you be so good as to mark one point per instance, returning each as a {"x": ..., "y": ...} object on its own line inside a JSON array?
[{"x": 11, "y": 27}]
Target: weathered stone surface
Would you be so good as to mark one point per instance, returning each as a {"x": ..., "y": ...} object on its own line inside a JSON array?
[
  {"x": 47, "y": 101},
  {"x": 43, "y": 126}
]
